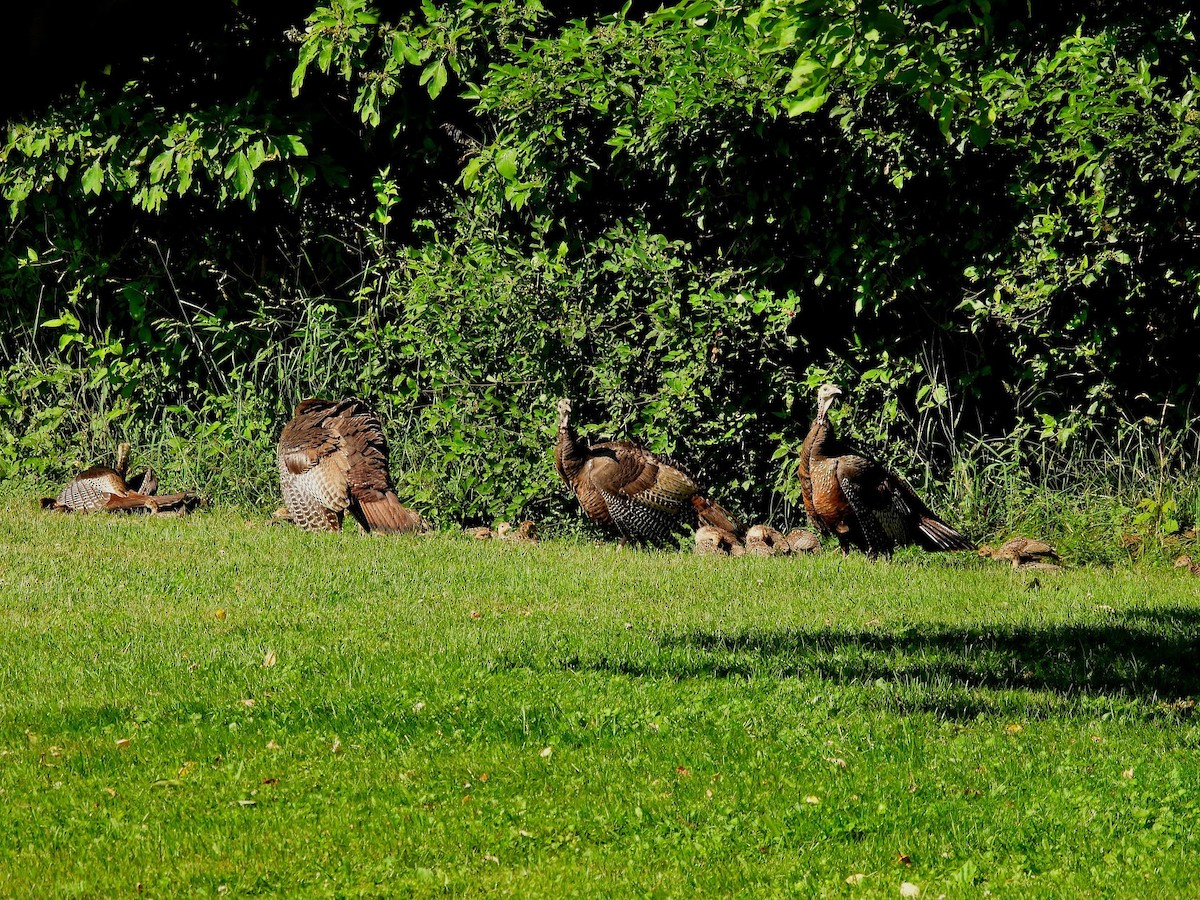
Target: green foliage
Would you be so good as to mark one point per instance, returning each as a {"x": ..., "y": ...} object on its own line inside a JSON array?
[{"x": 978, "y": 217}]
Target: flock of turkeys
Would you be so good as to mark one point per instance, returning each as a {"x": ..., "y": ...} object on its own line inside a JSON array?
[{"x": 333, "y": 460}]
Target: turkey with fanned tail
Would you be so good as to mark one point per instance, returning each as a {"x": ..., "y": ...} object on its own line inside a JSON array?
[{"x": 333, "y": 459}]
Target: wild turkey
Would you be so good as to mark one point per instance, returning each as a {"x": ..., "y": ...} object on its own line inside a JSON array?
[
  {"x": 853, "y": 497},
  {"x": 333, "y": 459},
  {"x": 1023, "y": 553},
  {"x": 717, "y": 542},
  {"x": 525, "y": 533},
  {"x": 622, "y": 485},
  {"x": 102, "y": 488},
  {"x": 763, "y": 540},
  {"x": 1185, "y": 562},
  {"x": 801, "y": 540}
]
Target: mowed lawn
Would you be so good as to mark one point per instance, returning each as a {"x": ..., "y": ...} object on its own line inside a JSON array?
[{"x": 215, "y": 706}]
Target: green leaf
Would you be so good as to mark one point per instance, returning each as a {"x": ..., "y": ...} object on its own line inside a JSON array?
[
  {"x": 93, "y": 179},
  {"x": 802, "y": 73},
  {"x": 307, "y": 51},
  {"x": 506, "y": 164},
  {"x": 161, "y": 165},
  {"x": 807, "y": 105},
  {"x": 434, "y": 77},
  {"x": 240, "y": 173}
]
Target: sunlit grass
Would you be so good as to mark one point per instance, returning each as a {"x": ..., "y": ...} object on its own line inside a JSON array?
[{"x": 213, "y": 705}]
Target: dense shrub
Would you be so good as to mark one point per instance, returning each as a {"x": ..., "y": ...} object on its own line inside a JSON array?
[{"x": 981, "y": 217}]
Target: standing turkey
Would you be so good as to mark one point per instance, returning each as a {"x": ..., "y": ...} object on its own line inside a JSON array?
[
  {"x": 108, "y": 489},
  {"x": 622, "y": 485},
  {"x": 858, "y": 501},
  {"x": 333, "y": 459}
]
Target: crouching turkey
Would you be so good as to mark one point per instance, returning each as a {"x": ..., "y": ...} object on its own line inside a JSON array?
[
  {"x": 623, "y": 486},
  {"x": 333, "y": 459},
  {"x": 859, "y": 501},
  {"x": 108, "y": 489}
]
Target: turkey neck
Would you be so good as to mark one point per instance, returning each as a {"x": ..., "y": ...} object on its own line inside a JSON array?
[
  {"x": 569, "y": 455},
  {"x": 821, "y": 439}
]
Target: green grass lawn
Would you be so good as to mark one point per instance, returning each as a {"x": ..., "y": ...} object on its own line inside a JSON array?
[{"x": 214, "y": 706}]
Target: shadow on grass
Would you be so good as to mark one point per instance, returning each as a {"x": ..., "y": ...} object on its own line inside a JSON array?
[{"x": 1145, "y": 656}]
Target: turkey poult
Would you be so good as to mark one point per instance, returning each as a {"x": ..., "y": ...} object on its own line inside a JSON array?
[
  {"x": 802, "y": 540},
  {"x": 717, "y": 542},
  {"x": 1023, "y": 553},
  {"x": 858, "y": 501},
  {"x": 107, "y": 489},
  {"x": 620, "y": 484},
  {"x": 333, "y": 459},
  {"x": 763, "y": 540}
]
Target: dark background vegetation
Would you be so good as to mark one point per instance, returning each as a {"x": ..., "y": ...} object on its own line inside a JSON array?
[{"x": 980, "y": 217}]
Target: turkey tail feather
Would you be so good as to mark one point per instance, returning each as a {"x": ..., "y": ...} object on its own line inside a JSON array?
[
  {"x": 712, "y": 513},
  {"x": 145, "y": 503},
  {"x": 935, "y": 534},
  {"x": 390, "y": 516}
]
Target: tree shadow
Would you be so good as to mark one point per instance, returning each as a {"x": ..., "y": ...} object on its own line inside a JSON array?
[{"x": 1143, "y": 656}]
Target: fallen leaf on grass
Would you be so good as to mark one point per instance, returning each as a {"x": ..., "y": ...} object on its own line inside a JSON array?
[
  {"x": 110, "y": 791},
  {"x": 270, "y": 781},
  {"x": 270, "y": 659},
  {"x": 1014, "y": 728},
  {"x": 487, "y": 857},
  {"x": 247, "y": 803},
  {"x": 812, "y": 799},
  {"x": 683, "y": 772},
  {"x": 186, "y": 768},
  {"x": 476, "y": 614},
  {"x": 837, "y": 761},
  {"x": 272, "y": 745},
  {"x": 1128, "y": 773},
  {"x": 483, "y": 776},
  {"x": 856, "y": 878},
  {"x": 546, "y": 751},
  {"x": 903, "y": 859},
  {"x": 122, "y": 743},
  {"x": 908, "y": 889},
  {"x": 220, "y": 614},
  {"x": 337, "y": 746},
  {"x": 249, "y": 701}
]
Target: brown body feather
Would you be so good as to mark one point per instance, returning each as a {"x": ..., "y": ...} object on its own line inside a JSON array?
[
  {"x": 333, "y": 459},
  {"x": 858, "y": 500},
  {"x": 622, "y": 485}
]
